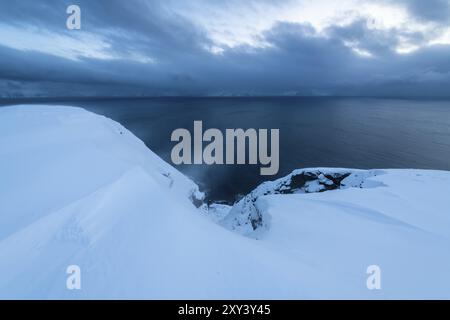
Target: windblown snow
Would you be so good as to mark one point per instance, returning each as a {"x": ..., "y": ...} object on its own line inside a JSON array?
[{"x": 77, "y": 188}]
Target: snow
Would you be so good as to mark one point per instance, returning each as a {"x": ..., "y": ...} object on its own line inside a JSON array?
[
  {"x": 403, "y": 227},
  {"x": 78, "y": 188}
]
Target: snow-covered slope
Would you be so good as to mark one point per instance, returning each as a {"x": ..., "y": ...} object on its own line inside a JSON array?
[
  {"x": 398, "y": 220},
  {"x": 246, "y": 217},
  {"x": 52, "y": 156},
  {"x": 79, "y": 189}
]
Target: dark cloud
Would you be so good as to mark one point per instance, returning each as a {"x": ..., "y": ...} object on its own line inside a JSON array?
[
  {"x": 297, "y": 60},
  {"x": 430, "y": 10}
]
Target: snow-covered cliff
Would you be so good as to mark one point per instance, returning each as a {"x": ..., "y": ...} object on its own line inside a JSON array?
[
  {"x": 245, "y": 217},
  {"x": 79, "y": 189},
  {"x": 398, "y": 220}
]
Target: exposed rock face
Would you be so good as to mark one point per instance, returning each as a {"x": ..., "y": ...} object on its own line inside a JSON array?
[
  {"x": 245, "y": 216},
  {"x": 314, "y": 181},
  {"x": 197, "y": 198}
]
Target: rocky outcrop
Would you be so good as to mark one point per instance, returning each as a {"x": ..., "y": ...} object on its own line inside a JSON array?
[{"x": 246, "y": 217}]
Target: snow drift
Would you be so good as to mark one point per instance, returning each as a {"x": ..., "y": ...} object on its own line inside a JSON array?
[{"x": 79, "y": 189}]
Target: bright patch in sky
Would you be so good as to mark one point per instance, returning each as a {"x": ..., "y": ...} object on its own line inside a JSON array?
[
  {"x": 244, "y": 23},
  {"x": 69, "y": 44}
]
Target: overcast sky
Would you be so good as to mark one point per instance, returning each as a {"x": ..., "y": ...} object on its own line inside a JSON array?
[{"x": 211, "y": 47}]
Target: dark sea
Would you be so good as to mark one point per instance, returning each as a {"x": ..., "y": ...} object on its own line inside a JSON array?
[{"x": 329, "y": 132}]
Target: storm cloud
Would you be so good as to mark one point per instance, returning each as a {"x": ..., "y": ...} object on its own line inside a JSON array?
[{"x": 183, "y": 48}]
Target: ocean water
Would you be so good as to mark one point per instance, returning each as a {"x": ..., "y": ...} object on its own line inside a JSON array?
[{"x": 331, "y": 132}]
